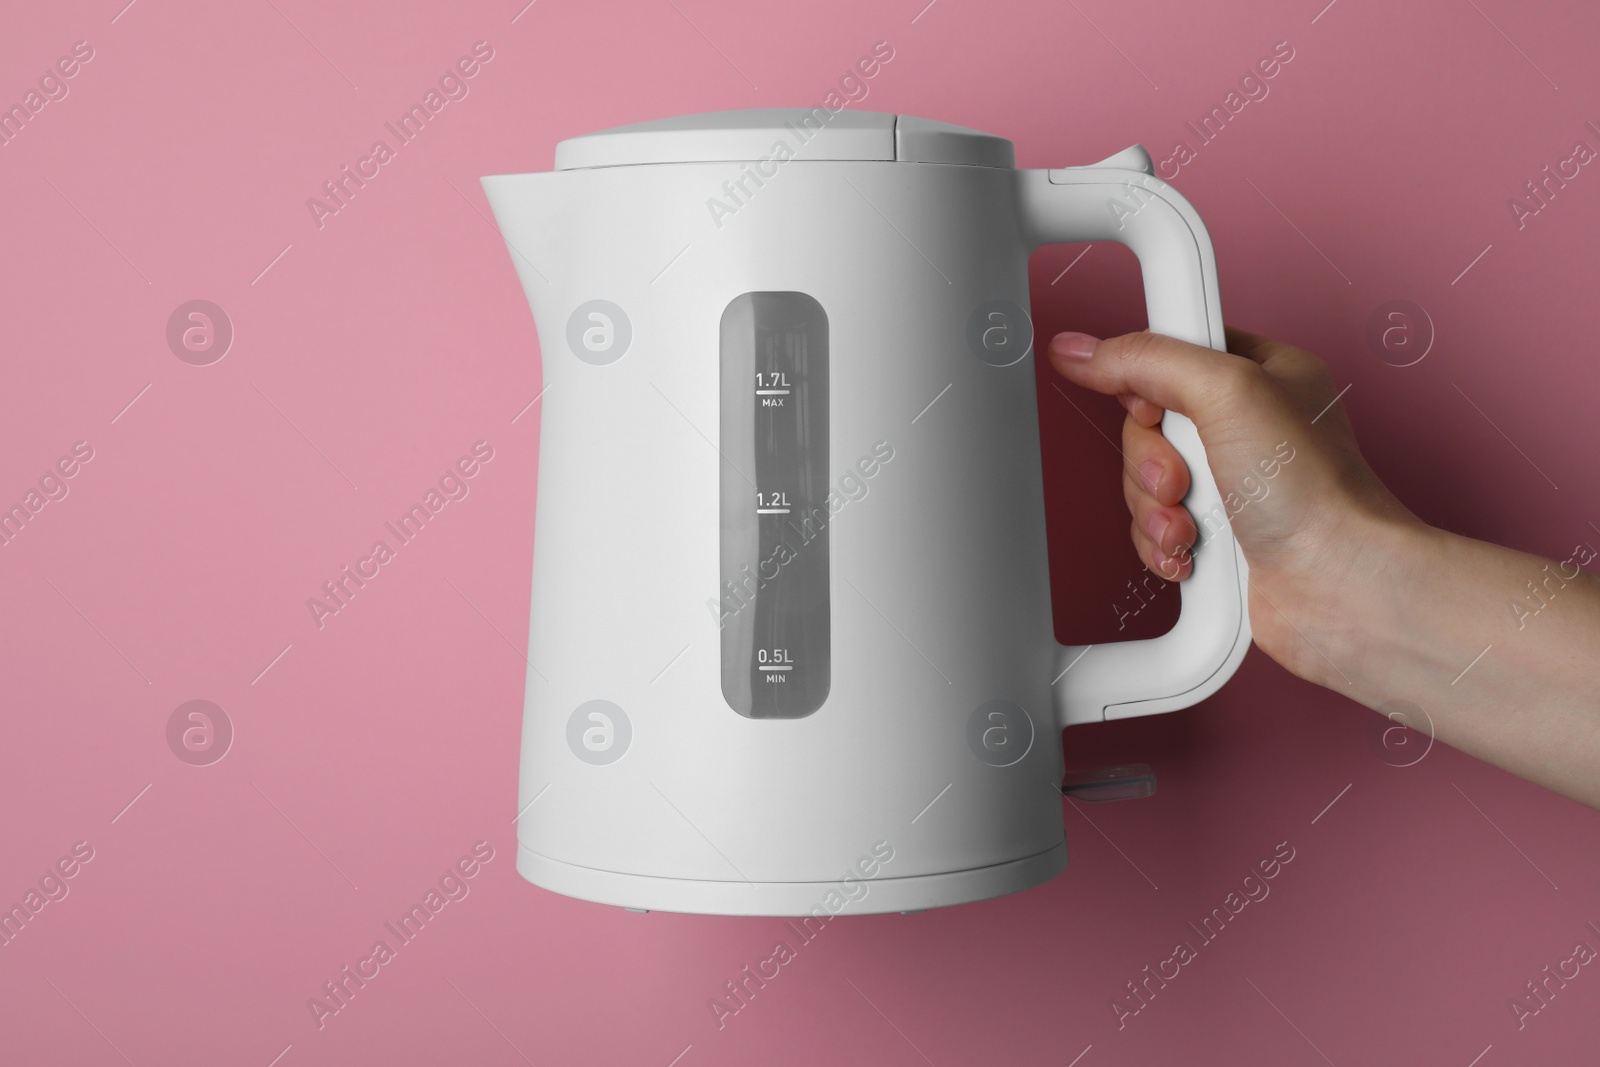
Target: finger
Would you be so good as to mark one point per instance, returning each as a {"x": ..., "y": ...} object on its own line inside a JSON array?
[
  {"x": 1182, "y": 377},
  {"x": 1172, "y": 567},
  {"x": 1143, "y": 411},
  {"x": 1253, "y": 346},
  {"x": 1168, "y": 528},
  {"x": 1153, "y": 464},
  {"x": 1175, "y": 568}
]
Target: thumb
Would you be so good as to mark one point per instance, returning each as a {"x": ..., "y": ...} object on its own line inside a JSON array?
[{"x": 1189, "y": 379}]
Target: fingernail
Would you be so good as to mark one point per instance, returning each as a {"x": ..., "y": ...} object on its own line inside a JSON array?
[
  {"x": 1126, "y": 400},
  {"x": 1073, "y": 345},
  {"x": 1150, "y": 475},
  {"x": 1157, "y": 525}
]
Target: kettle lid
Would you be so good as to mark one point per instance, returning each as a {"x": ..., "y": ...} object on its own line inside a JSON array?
[{"x": 801, "y": 133}]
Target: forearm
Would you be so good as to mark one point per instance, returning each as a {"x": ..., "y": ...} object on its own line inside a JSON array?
[{"x": 1500, "y": 648}]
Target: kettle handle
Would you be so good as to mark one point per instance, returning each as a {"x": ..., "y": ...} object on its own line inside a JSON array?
[{"x": 1120, "y": 199}]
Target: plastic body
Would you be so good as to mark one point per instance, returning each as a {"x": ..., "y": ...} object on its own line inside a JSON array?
[{"x": 640, "y": 785}]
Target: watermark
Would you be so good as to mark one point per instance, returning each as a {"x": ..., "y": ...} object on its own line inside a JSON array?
[
  {"x": 52, "y": 888},
  {"x": 1136, "y": 194},
  {"x": 1000, "y": 333},
  {"x": 599, "y": 732},
  {"x": 801, "y": 530},
  {"x": 1253, "y": 489},
  {"x": 1400, "y": 332},
  {"x": 199, "y": 332},
  {"x": 453, "y": 85},
  {"x": 598, "y": 332},
  {"x": 1253, "y": 88},
  {"x": 452, "y": 887},
  {"x": 1550, "y": 584},
  {"x": 1253, "y": 889},
  {"x": 52, "y": 486},
  {"x": 851, "y": 888},
  {"x": 1540, "y": 192},
  {"x": 52, "y": 88},
  {"x": 1141, "y": 600},
  {"x": 999, "y": 732},
  {"x": 1400, "y": 733},
  {"x": 199, "y": 733},
  {"x": 852, "y": 89},
  {"x": 453, "y": 485},
  {"x": 1543, "y": 990}
]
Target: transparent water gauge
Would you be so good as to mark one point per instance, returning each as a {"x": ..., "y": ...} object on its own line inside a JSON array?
[{"x": 774, "y": 599}]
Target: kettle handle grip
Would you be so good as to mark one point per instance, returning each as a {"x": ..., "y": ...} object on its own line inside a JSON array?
[{"x": 1122, "y": 200}]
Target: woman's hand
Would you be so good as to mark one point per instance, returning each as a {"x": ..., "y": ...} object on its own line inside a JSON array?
[
  {"x": 1348, "y": 588},
  {"x": 1264, "y": 406}
]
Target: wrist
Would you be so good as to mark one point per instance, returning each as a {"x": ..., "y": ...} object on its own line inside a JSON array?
[
  {"x": 1416, "y": 610},
  {"x": 1350, "y": 618},
  {"x": 1402, "y": 566}
]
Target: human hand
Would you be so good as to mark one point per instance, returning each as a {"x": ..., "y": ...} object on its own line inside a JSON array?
[
  {"x": 1302, "y": 501},
  {"x": 1349, "y": 589}
]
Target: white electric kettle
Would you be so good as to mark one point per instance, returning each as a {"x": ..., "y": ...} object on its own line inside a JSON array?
[{"x": 791, "y": 649}]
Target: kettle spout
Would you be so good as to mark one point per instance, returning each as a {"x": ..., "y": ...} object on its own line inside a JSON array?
[{"x": 525, "y": 206}]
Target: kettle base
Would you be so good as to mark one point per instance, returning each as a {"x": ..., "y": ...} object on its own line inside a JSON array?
[{"x": 917, "y": 893}]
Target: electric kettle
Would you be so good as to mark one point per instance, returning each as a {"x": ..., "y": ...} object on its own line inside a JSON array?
[{"x": 790, "y": 645}]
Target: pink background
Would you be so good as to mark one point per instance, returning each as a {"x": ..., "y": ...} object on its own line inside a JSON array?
[{"x": 369, "y": 354}]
